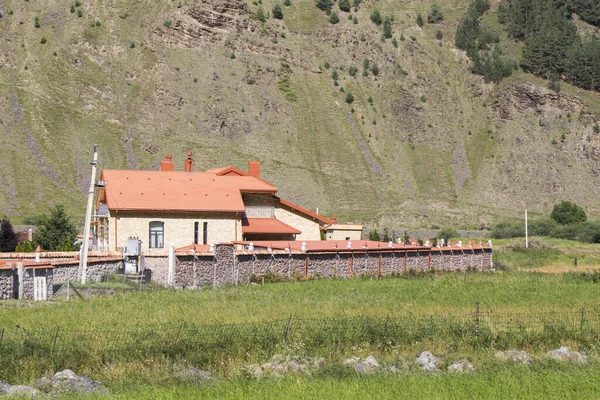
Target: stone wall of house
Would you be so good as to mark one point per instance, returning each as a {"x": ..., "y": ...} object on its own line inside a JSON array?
[
  {"x": 310, "y": 229},
  {"x": 28, "y": 280},
  {"x": 178, "y": 228}
]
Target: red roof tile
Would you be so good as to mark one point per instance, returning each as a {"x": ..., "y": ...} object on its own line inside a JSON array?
[
  {"x": 267, "y": 226},
  {"x": 178, "y": 191}
]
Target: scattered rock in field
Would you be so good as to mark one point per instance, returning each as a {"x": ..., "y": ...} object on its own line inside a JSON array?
[
  {"x": 367, "y": 366},
  {"x": 280, "y": 365},
  {"x": 68, "y": 381},
  {"x": 460, "y": 367},
  {"x": 514, "y": 356},
  {"x": 20, "y": 391},
  {"x": 427, "y": 362},
  {"x": 194, "y": 375},
  {"x": 564, "y": 354}
]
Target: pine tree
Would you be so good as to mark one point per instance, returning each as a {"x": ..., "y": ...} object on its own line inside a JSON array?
[
  {"x": 376, "y": 17},
  {"x": 349, "y": 97},
  {"x": 277, "y": 13},
  {"x": 387, "y": 28},
  {"x": 57, "y": 232},
  {"x": 333, "y": 18},
  {"x": 324, "y": 5},
  {"x": 287, "y": 3},
  {"x": 344, "y": 5},
  {"x": 435, "y": 14},
  {"x": 260, "y": 15},
  {"x": 420, "y": 20},
  {"x": 8, "y": 237}
]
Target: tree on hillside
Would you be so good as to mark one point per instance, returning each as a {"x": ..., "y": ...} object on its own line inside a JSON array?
[
  {"x": 324, "y": 5},
  {"x": 387, "y": 28},
  {"x": 56, "y": 232},
  {"x": 567, "y": 213},
  {"x": 8, "y": 237},
  {"x": 376, "y": 17},
  {"x": 420, "y": 19},
  {"x": 435, "y": 14},
  {"x": 277, "y": 13},
  {"x": 344, "y": 5},
  {"x": 374, "y": 235},
  {"x": 333, "y": 18}
]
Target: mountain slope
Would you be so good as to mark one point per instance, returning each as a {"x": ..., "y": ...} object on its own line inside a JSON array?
[{"x": 142, "y": 79}]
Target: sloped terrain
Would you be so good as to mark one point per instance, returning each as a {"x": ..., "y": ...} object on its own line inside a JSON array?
[{"x": 424, "y": 143}]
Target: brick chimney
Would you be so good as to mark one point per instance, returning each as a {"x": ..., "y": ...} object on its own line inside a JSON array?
[
  {"x": 254, "y": 169},
  {"x": 188, "y": 162},
  {"x": 167, "y": 164}
]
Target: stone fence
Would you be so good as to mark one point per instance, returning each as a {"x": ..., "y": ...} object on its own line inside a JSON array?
[{"x": 229, "y": 265}]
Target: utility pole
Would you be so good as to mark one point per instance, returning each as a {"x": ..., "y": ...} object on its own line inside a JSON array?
[
  {"x": 526, "y": 236},
  {"x": 88, "y": 218}
]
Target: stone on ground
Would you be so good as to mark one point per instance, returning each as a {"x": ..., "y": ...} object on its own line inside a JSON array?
[
  {"x": 564, "y": 354},
  {"x": 427, "y": 362},
  {"x": 367, "y": 366},
  {"x": 514, "y": 356},
  {"x": 194, "y": 375},
  {"x": 460, "y": 367},
  {"x": 69, "y": 382}
]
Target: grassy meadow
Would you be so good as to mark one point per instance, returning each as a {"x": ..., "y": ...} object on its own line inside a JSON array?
[{"x": 133, "y": 342}]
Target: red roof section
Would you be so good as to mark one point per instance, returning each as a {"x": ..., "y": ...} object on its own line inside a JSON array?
[
  {"x": 177, "y": 191},
  {"x": 304, "y": 211},
  {"x": 267, "y": 226}
]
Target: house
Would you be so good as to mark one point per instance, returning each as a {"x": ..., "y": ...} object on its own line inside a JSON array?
[{"x": 221, "y": 205}]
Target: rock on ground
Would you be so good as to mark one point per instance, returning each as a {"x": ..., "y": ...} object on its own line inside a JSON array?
[
  {"x": 427, "y": 362},
  {"x": 564, "y": 354},
  {"x": 367, "y": 366},
  {"x": 20, "y": 391},
  {"x": 280, "y": 365},
  {"x": 68, "y": 381},
  {"x": 514, "y": 356},
  {"x": 461, "y": 366},
  {"x": 194, "y": 375}
]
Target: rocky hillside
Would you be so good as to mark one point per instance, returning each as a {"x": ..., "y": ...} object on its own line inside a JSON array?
[{"x": 424, "y": 142}]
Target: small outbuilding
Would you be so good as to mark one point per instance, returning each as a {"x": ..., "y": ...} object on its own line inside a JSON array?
[{"x": 25, "y": 280}]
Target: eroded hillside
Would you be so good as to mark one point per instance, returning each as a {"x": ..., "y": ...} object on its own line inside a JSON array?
[{"x": 424, "y": 142}]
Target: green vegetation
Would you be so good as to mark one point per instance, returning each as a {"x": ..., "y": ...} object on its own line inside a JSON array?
[
  {"x": 447, "y": 233},
  {"x": 435, "y": 13},
  {"x": 260, "y": 15},
  {"x": 376, "y": 17},
  {"x": 333, "y": 17},
  {"x": 8, "y": 237},
  {"x": 276, "y": 12},
  {"x": 349, "y": 97},
  {"x": 56, "y": 232},
  {"x": 567, "y": 213},
  {"x": 387, "y": 28},
  {"x": 36, "y": 22},
  {"x": 167, "y": 23},
  {"x": 324, "y": 5},
  {"x": 344, "y": 5},
  {"x": 420, "y": 20},
  {"x": 287, "y": 3},
  {"x": 43, "y": 40}
]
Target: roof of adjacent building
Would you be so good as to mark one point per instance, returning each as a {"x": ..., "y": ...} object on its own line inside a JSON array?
[
  {"x": 175, "y": 191},
  {"x": 267, "y": 226}
]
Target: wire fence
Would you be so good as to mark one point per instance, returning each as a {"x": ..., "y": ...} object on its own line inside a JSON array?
[{"x": 213, "y": 343}]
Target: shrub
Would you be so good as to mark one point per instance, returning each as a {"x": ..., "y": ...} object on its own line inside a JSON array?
[
  {"x": 77, "y": 3},
  {"x": 447, "y": 233},
  {"x": 420, "y": 19},
  {"x": 36, "y": 22},
  {"x": 72, "y": 8},
  {"x": 24, "y": 247},
  {"x": 79, "y": 13},
  {"x": 423, "y": 98},
  {"x": 333, "y": 18},
  {"x": 167, "y": 23},
  {"x": 395, "y": 42},
  {"x": 56, "y": 232},
  {"x": 324, "y": 5},
  {"x": 260, "y": 15},
  {"x": 98, "y": 23},
  {"x": 567, "y": 213},
  {"x": 352, "y": 70},
  {"x": 435, "y": 13},
  {"x": 376, "y": 17},
  {"x": 387, "y": 28},
  {"x": 507, "y": 229},
  {"x": 375, "y": 69},
  {"x": 349, "y": 97},
  {"x": 541, "y": 227},
  {"x": 355, "y": 20},
  {"x": 597, "y": 128},
  {"x": 344, "y": 5},
  {"x": 277, "y": 13},
  {"x": 287, "y": 3},
  {"x": 374, "y": 235},
  {"x": 439, "y": 35},
  {"x": 132, "y": 45},
  {"x": 43, "y": 41},
  {"x": 334, "y": 75}
]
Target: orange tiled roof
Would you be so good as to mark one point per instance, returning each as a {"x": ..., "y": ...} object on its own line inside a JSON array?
[
  {"x": 176, "y": 191},
  {"x": 304, "y": 211},
  {"x": 267, "y": 226}
]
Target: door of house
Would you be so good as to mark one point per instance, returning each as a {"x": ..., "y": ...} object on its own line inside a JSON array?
[{"x": 40, "y": 289}]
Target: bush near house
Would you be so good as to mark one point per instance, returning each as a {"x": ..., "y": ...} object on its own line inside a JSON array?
[
  {"x": 56, "y": 232},
  {"x": 8, "y": 237}
]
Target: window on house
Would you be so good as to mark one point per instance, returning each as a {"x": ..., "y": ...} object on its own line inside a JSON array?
[
  {"x": 157, "y": 235},
  {"x": 196, "y": 231},
  {"x": 205, "y": 233}
]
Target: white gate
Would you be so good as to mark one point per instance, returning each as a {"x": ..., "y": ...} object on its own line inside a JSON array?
[{"x": 40, "y": 289}]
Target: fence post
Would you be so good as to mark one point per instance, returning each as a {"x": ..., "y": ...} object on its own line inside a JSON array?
[
  {"x": 582, "y": 319},
  {"x": 287, "y": 329},
  {"x": 178, "y": 333},
  {"x": 1, "y": 337},
  {"x": 477, "y": 319},
  {"x": 55, "y": 337}
]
